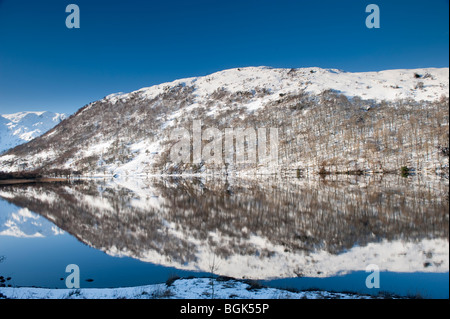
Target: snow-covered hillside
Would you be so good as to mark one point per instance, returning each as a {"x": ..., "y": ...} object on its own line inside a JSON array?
[
  {"x": 326, "y": 119},
  {"x": 22, "y": 127},
  {"x": 386, "y": 85}
]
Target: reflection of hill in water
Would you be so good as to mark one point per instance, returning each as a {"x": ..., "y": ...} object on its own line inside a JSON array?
[{"x": 184, "y": 222}]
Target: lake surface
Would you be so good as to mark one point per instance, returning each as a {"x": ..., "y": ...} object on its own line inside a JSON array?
[{"x": 287, "y": 232}]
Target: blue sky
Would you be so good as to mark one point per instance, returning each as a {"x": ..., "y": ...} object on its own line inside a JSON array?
[{"x": 122, "y": 46}]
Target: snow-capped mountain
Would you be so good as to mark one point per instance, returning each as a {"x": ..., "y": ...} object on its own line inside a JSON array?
[
  {"x": 22, "y": 127},
  {"x": 326, "y": 120}
]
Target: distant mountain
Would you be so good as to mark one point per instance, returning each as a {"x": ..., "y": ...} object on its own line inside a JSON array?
[
  {"x": 22, "y": 127},
  {"x": 327, "y": 120}
]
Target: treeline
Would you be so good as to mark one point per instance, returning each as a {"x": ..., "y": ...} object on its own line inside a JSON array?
[
  {"x": 40, "y": 173},
  {"x": 20, "y": 175}
]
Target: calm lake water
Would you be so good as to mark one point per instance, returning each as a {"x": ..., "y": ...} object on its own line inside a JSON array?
[{"x": 287, "y": 232}]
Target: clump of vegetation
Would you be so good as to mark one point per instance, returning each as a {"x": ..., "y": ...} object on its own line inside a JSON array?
[
  {"x": 419, "y": 85},
  {"x": 323, "y": 171},
  {"x": 161, "y": 293},
  {"x": 74, "y": 293},
  {"x": 3, "y": 281},
  {"x": 171, "y": 280},
  {"x": 404, "y": 171},
  {"x": 444, "y": 150},
  {"x": 253, "y": 285}
]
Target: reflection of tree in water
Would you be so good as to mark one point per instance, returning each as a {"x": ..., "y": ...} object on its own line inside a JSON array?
[{"x": 331, "y": 215}]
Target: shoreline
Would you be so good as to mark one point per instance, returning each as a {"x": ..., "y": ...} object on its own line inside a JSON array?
[
  {"x": 31, "y": 180},
  {"x": 12, "y": 181},
  {"x": 185, "y": 288}
]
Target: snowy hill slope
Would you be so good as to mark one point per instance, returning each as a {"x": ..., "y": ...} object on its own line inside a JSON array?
[
  {"x": 322, "y": 117},
  {"x": 22, "y": 127},
  {"x": 384, "y": 85}
]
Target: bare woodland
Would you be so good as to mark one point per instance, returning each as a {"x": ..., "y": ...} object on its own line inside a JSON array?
[{"x": 326, "y": 133}]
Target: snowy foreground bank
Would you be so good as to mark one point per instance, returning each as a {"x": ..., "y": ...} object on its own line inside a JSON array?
[{"x": 195, "y": 288}]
